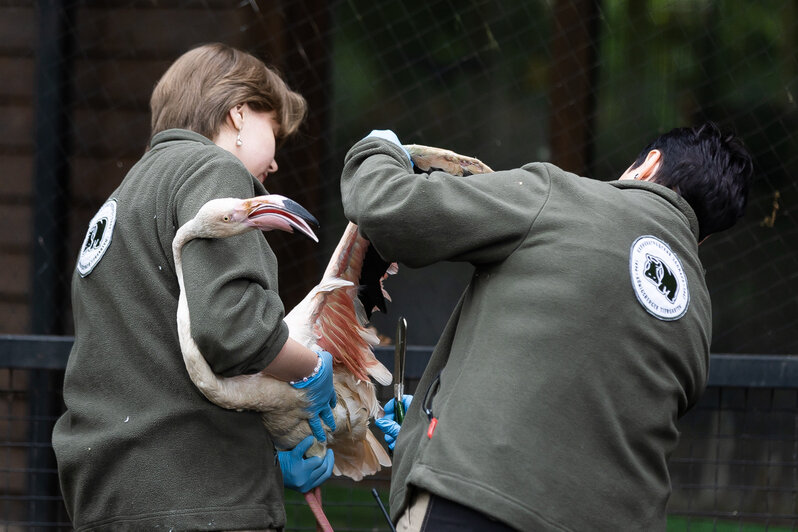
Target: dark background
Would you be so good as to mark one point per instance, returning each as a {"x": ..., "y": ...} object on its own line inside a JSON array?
[{"x": 583, "y": 84}]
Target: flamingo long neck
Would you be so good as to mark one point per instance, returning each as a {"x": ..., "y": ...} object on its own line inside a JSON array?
[
  {"x": 198, "y": 369},
  {"x": 216, "y": 389},
  {"x": 347, "y": 259}
]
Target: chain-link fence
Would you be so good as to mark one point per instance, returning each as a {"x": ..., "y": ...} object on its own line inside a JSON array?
[
  {"x": 737, "y": 460},
  {"x": 735, "y": 468},
  {"x": 581, "y": 83}
]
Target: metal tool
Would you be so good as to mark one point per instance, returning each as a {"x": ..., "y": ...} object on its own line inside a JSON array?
[
  {"x": 382, "y": 508},
  {"x": 399, "y": 368}
]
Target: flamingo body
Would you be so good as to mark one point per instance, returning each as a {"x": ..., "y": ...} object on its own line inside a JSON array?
[{"x": 327, "y": 318}]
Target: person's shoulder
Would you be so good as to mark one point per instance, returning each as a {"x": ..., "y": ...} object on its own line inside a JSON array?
[
  {"x": 556, "y": 174},
  {"x": 538, "y": 167},
  {"x": 549, "y": 169},
  {"x": 194, "y": 166}
]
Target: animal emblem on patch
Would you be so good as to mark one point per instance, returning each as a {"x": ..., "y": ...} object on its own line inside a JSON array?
[
  {"x": 95, "y": 235},
  {"x": 658, "y": 278},
  {"x": 98, "y": 238},
  {"x": 658, "y": 273}
]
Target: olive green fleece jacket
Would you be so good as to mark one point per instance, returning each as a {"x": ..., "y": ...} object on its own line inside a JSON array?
[
  {"x": 139, "y": 448},
  {"x": 561, "y": 380}
]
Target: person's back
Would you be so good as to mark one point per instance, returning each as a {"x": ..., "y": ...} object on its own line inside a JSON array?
[
  {"x": 552, "y": 358},
  {"x": 583, "y": 335}
]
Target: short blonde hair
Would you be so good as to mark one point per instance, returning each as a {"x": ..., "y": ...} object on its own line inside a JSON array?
[{"x": 203, "y": 84}]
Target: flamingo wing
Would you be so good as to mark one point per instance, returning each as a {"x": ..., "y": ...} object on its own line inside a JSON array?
[{"x": 333, "y": 317}]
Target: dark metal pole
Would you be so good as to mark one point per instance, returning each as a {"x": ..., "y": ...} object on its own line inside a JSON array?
[
  {"x": 574, "y": 70},
  {"x": 50, "y": 208},
  {"x": 51, "y": 179}
]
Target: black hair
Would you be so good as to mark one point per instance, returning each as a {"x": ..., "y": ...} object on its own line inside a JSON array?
[{"x": 710, "y": 169}]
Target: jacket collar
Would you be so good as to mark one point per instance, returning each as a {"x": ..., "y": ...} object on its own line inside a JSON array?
[
  {"x": 665, "y": 193},
  {"x": 170, "y": 135}
]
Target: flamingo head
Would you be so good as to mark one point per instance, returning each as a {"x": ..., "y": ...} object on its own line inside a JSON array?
[{"x": 223, "y": 217}]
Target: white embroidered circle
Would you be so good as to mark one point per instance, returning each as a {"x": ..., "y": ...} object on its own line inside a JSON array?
[
  {"x": 98, "y": 238},
  {"x": 658, "y": 278}
]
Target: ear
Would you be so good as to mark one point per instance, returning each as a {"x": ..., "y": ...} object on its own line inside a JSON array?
[
  {"x": 236, "y": 115},
  {"x": 648, "y": 169}
]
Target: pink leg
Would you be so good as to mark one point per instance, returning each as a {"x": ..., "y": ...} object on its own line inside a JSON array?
[{"x": 314, "y": 501}]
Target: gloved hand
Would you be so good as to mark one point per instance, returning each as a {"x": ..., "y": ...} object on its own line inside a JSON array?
[
  {"x": 388, "y": 423},
  {"x": 303, "y": 474},
  {"x": 321, "y": 395},
  {"x": 390, "y": 136}
]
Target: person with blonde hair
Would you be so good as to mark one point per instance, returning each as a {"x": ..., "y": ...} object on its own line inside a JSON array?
[{"x": 139, "y": 447}]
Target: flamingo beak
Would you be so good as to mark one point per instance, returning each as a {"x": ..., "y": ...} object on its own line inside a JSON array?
[{"x": 278, "y": 212}]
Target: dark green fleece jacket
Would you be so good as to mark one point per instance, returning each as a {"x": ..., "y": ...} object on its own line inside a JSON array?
[
  {"x": 139, "y": 448},
  {"x": 581, "y": 339}
]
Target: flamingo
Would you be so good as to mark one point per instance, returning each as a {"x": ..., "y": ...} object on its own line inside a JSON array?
[{"x": 330, "y": 317}]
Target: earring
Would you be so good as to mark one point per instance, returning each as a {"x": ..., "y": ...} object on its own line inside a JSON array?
[{"x": 238, "y": 139}]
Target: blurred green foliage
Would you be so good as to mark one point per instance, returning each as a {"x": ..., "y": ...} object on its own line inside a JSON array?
[{"x": 477, "y": 77}]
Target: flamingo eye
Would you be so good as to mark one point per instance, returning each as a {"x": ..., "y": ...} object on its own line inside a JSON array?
[{"x": 226, "y": 218}]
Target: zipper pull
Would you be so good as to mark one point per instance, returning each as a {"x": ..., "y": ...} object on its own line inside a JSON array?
[
  {"x": 433, "y": 422},
  {"x": 427, "y": 405}
]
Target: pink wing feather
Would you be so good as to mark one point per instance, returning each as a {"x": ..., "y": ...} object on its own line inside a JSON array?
[{"x": 336, "y": 315}]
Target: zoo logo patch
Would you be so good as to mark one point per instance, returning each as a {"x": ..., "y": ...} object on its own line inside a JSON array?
[
  {"x": 98, "y": 238},
  {"x": 658, "y": 279}
]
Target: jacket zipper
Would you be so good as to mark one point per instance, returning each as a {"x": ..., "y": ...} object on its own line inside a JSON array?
[{"x": 426, "y": 405}]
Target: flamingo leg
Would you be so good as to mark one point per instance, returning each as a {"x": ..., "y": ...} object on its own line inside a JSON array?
[{"x": 313, "y": 499}]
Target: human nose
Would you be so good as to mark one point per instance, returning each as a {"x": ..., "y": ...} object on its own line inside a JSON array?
[{"x": 272, "y": 167}]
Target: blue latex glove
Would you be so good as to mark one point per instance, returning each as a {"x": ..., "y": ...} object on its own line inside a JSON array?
[
  {"x": 321, "y": 395},
  {"x": 303, "y": 474},
  {"x": 390, "y": 136},
  {"x": 388, "y": 423}
]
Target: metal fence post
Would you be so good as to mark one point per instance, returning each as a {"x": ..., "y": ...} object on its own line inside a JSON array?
[{"x": 56, "y": 36}]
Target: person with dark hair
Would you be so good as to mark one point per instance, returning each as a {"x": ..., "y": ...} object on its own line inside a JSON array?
[
  {"x": 704, "y": 166},
  {"x": 139, "y": 448},
  {"x": 552, "y": 398}
]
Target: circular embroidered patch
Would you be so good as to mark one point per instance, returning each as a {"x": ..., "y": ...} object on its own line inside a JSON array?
[
  {"x": 658, "y": 278},
  {"x": 98, "y": 238}
]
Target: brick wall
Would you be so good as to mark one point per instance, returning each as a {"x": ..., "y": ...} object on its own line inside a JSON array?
[{"x": 120, "y": 50}]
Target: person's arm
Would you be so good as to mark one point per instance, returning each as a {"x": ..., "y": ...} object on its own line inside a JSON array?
[
  {"x": 420, "y": 219},
  {"x": 236, "y": 314},
  {"x": 236, "y": 311},
  {"x": 293, "y": 362}
]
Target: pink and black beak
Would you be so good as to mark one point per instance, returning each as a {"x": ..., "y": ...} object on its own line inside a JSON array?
[{"x": 274, "y": 211}]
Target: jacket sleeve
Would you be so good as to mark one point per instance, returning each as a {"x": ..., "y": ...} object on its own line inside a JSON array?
[
  {"x": 231, "y": 283},
  {"x": 420, "y": 219}
]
